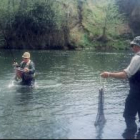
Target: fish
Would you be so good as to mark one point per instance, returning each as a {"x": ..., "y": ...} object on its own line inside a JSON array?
[
  {"x": 100, "y": 118},
  {"x": 18, "y": 73}
]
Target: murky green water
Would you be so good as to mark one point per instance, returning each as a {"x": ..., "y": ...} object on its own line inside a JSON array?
[{"x": 64, "y": 102}]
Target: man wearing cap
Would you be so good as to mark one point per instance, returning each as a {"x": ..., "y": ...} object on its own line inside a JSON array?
[
  {"x": 132, "y": 73},
  {"x": 26, "y": 70}
]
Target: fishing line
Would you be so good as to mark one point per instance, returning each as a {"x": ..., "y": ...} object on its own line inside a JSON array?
[
  {"x": 12, "y": 55},
  {"x": 102, "y": 82}
]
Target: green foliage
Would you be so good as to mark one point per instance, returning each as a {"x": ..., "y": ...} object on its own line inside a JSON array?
[
  {"x": 106, "y": 16},
  {"x": 85, "y": 42},
  {"x": 27, "y": 25},
  {"x": 39, "y": 20},
  {"x": 49, "y": 24}
]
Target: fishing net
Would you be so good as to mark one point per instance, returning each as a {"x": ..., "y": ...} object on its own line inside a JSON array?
[
  {"x": 18, "y": 73},
  {"x": 100, "y": 118}
]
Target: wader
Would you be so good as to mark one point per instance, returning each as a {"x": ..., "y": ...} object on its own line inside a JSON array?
[
  {"x": 28, "y": 82},
  {"x": 132, "y": 104}
]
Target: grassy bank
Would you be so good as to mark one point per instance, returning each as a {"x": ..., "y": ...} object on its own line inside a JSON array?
[{"x": 63, "y": 24}]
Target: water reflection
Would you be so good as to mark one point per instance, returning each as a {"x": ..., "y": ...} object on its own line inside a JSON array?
[
  {"x": 129, "y": 134},
  {"x": 138, "y": 134},
  {"x": 99, "y": 130},
  {"x": 100, "y": 118},
  {"x": 25, "y": 95}
]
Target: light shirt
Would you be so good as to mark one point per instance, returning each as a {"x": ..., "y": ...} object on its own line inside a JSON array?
[{"x": 134, "y": 65}]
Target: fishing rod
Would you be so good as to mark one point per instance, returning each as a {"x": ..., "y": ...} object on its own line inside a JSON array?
[{"x": 14, "y": 60}]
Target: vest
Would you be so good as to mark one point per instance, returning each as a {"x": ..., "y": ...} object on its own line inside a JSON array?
[
  {"x": 27, "y": 64},
  {"x": 27, "y": 76},
  {"x": 134, "y": 81}
]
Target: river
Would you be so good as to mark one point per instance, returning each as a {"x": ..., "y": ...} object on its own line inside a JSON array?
[{"x": 64, "y": 102}]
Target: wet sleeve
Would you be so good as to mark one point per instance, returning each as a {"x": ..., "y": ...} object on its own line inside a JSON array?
[
  {"x": 32, "y": 68},
  {"x": 133, "y": 67}
]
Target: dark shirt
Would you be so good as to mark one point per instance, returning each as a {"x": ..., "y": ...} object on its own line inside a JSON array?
[{"x": 28, "y": 77}]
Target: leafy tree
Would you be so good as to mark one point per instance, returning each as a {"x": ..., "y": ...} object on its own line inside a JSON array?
[
  {"x": 55, "y": 24},
  {"x": 107, "y": 18},
  {"x": 29, "y": 23}
]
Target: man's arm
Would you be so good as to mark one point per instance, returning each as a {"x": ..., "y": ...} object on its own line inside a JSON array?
[
  {"x": 133, "y": 67},
  {"x": 32, "y": 68},
  {"x": 118, "y": 75}
]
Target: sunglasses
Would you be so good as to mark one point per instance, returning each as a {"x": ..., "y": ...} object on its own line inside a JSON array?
[{"x": 132, "y": 45}]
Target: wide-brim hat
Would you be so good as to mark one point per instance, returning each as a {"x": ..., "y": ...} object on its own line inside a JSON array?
[
  {"x": 26, "y": 55},
  {"x": 136, "y": 41}
]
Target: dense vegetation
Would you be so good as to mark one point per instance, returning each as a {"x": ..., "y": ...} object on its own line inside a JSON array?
[{"x": 68, "y": 24}]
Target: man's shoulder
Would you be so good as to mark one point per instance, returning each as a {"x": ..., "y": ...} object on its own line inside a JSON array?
[
  {"x": 22, "y": 62},
  {"x": 138, "y": 53},
  {"x": 31, "y": 62},
  {"x": 136, "y": 58}
]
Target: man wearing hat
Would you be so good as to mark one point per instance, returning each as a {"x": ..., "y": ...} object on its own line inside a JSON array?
[
  {"x": 132, "y": 73},
  {"x": 26, "y": 70}
]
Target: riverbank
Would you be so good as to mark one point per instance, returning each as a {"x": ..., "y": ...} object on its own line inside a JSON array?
[{"x": 43, "y": 25}]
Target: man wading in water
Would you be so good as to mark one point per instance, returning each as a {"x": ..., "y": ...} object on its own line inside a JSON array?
[
  {"x": 132, "y": 104},
  {"x": 25, "y": 71}
]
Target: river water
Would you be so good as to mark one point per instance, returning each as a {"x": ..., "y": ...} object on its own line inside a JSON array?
[{"x": 64, "y": 101}]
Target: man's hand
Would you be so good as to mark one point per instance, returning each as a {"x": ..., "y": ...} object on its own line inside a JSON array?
[
  {"x": 105, "y": 74},
  {"x": 15, "y": 64},
  {"x": 26, "y": 70},
  {"x": 118, "y": 75}
]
